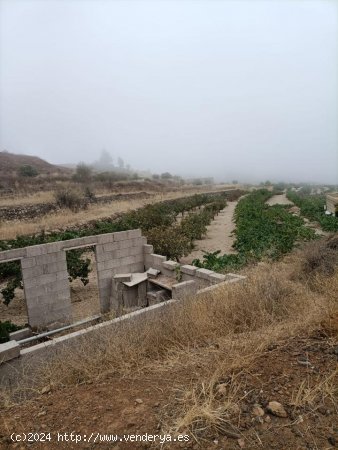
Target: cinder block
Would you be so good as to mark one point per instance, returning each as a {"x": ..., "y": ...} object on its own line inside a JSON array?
[
  {"x": 54, "y": 247},
  {"x": 47, "y": 278},
  {"x": 158, "y": 259},
  {"x": 204, "y": 273},
  {"x": 102, "y": 256},
  {"x": 31, "y": 282},
  {"x": 32, "y": 272},
  {"x": 20, "y": 334},
  {"x": 142, "y": 294},
  {"x": 36, "y": 250},
  {"x": 90, "y": 239},
  {"x": 9, "y": 350},
  {"x": 51, "y": 258},
  {"x": 107, "y": 273},
  {"x": 216, "y": 278},
  {"x": 111, "y": 246},
  {"x": 127, "y": 243},
  {"x": 166, "y": 272},
  {"x": 111, "y": 264},
  {"x": 31, "y": 293},
  {"x": 139, "y": 241},
  {"x": 62, "y": 275},
  {"x": 186, "y": 277},
  {"x": 123, "y": 253},
  {"x": 122, "y": 235},
  {"x": 188, "y": 269},
  {"x": 152, "y": 273},
  {"x": 105, "y": 282},
  {"x": 136, "y": 267},
  {"x": 15, "y": 253},
  {"x": 122, "y": 277},
  {"x": 28, "y": 262},
  {"x": 54, "y": 267},
  {"x": 105, "y": 238},
  {"x": 184, "y": 289},
  {"x": 135, "y": 251},
  {"x": 55, "y": 286},
  {"x": 129, "y": 260},
  {"x": 135, "y": 233},
  {"x": 73, "y": 243},
  {"x": 170, "y": 265},
  {"x": 148, "y": 249}
]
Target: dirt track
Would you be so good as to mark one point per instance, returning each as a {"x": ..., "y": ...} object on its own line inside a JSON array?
[
  {"x": 279, "y": 200},
  {"x": 218, "y": 235}
]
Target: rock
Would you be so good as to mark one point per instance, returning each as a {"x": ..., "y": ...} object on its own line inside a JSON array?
[
  {"x": 258, "y": 411},
  {"x": 138, "y": 401},
  {"x": 267, "y": 419},
  {"x": 277, "y": 409},
  {"x": 241, "y": 443},
  {"x": 45, "y": 390},
  {"x": 332, "y": 440},
  {"x": 42, "y": 413}
]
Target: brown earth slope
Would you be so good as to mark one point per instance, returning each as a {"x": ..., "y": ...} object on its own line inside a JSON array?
[{"x": 10, "y": 163}]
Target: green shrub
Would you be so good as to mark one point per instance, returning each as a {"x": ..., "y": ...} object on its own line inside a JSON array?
[
  {"x": 70, "y": 198},
  {"x": 28, "y": 171},
  {"x": 262, "y": 231},
  {"x": 6, "y": 328}
]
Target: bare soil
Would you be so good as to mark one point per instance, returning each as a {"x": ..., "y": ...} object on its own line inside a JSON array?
[
  {"x": 219, "y": 235},
  {"x": 280, "y": 199},
  {"x": 145, "y": 403}
]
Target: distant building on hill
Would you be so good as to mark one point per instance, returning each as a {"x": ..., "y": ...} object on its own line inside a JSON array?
[{"x": 332, "y": 203}]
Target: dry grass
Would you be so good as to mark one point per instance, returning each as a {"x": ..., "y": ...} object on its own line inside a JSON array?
[
  {"x": 65, "y": 218},
  {"x": 31, "y": 199},
  {"x": 315, "y": 392},
  {"x": 241, "y": 318},
  {"x": 219, "y": 336}
]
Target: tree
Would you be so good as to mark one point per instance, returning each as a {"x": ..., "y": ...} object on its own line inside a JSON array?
[
  {"x": 83, "y": 173},
  {"x": 120, "y": 162},
  {"x": 106, "y": 159},
  {"x": 166, "y": 175},
  {"x": 28, "y": 171}
]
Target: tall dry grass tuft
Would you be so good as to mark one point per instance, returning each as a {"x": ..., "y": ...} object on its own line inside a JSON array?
[{"x": 311, "y": 393}]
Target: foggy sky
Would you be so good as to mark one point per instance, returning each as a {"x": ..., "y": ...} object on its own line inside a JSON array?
[{"x": 231, "y": 89}]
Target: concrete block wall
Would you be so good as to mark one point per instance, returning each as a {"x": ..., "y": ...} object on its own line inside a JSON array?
[
  {"x": 120, "y": 252},
  {"x": 45, "y": 275},
  {"x": 46, "y": 285}
]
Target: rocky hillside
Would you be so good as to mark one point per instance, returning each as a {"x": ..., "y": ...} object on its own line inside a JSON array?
[{"x": 10, "y": 163}]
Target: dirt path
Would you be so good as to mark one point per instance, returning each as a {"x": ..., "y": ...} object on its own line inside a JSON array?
[
  {"x": 218, "y": 235},
  {"x": 280, "y": 199}
]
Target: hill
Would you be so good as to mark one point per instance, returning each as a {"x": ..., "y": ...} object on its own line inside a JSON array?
[{"x": 10, "y": 164}]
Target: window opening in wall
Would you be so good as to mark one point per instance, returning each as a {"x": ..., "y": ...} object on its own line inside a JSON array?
[
  {"x": 81, "y": 267},
  {"x": 13, "y": 308}
]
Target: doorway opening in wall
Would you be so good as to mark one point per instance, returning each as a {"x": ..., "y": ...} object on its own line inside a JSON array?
[
  {"x": 13, "y": 308},
  {"x": 84, "y": 290}
]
